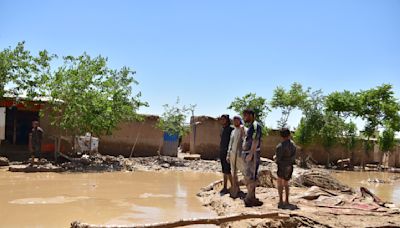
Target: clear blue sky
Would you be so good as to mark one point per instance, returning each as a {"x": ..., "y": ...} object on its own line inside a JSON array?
[{"x": 208, "y": 52}]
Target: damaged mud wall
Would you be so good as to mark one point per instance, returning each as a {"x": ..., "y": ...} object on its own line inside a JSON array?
[
  {"x": 205, "y": 136},
  {"x": 185, "y": 144},
  {"x": 122, "y": 140},
  {"x": 149, "y": 138},
  {"x": 269, "y": 143}
]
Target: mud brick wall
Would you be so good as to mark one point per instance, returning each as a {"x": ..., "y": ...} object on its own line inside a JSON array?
[
  {"x": 185, "y": 144},
  {"x": 120, "y": 142},
  {"x": 205, "y": 136},
  {"x": 123, "y": 138}
]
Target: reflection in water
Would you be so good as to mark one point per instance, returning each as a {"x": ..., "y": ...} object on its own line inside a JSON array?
[
  {"x": 150, "y": 195},
  {"x": 388, "y": 191},
  {"x": 55, "y": 200},
  {"x": 49, "y": 200}
]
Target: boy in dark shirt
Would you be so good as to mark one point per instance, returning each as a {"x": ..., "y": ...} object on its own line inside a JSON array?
[
  {"x": 223, "y": 151},
  {"x": 285, "y": 158}
]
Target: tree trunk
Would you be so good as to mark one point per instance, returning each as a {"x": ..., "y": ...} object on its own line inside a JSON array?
[
  {"x": 90, "y": 144},
  {"x": 186, "y": 222},
  {"x": 328, "y": 162}
]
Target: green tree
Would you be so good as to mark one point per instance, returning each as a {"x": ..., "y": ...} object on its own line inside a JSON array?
[
  {"x": 172, "y": 121},
  {"x": 331, "y": 132},
  {"x": 289, "y": 100},
  {"x": 342, "y": 103},
  {"x": 251, "y": 100},
  {"x": 387, "y": 140},
  {"x": 88, "y": 96},
  {"x": 312, "y": 120},
  {"x": 350, "y": 138},
  {"x": 378, "y": 107},
  {"x": 22, "y": 73},
  {"x": 310, "y": 124}
]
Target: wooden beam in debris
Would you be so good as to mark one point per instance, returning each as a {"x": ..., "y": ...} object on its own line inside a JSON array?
[
  {"x": 64, "y": 156},
  {"x": 187, "y": 222}
]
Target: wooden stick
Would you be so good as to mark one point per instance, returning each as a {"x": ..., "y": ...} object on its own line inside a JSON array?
[
  {"x": 186, "y": 222},
  {"x": 137, "y": 137}
]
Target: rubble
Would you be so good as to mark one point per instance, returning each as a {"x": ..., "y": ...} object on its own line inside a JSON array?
[
  {"x": 4, "y": 161},
  {"x": 320, "y": 178},
  {"x": 35, "y": 168},
  {"x": 106, "y": 163}
]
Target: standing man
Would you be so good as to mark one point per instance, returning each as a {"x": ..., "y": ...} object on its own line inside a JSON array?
[
  {"x": 251, "y": 153},
  {"x": 36, "y": 143},
  {"x": 234, "y": 155},
  {"x": 223, "y": 151},
  {"x": 285, "y": 159}
]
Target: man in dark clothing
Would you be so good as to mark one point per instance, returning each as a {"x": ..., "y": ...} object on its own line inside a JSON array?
[
  {"x": 251, "y": 153},
  {"x": 285, "y": 158},
  {"x": 223, "y": 151},
  {"x": 36, "y": 141}
]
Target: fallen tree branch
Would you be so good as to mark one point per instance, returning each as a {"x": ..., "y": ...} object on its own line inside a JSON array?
[
  {"x": 366, "y": 192},
  {"x": 212, "y": 186},
  {"x": 186, "y": 222},
  {"x": 348, "y": 208}
]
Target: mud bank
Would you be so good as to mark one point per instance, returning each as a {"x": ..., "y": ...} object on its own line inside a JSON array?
[
  {"x": 100, "y": 163},
  {"x": 321, "y": 201}
]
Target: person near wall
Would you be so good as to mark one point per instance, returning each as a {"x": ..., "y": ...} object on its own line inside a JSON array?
[
  {"x": 223, "y": 151},
  {"x": 251, "y": 155},
  {"x": 285, "y": 159},
  {"x": 36, "y": 140},
  {"x": 234, "y": 154}
]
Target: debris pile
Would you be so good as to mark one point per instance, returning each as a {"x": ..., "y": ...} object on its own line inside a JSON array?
[
  {"x": 95, "y": 162},
  {"x": 48, "y": 167},
  {"x": 322, "y": 201},
  {"x": 4, "y": 161},
  {"x": 106, "y": 163},
  {"x": 320, "y": 178}
]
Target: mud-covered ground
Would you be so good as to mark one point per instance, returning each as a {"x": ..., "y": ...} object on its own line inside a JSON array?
[
  {"x": 321, "y": 201},
  {"x": 100, "y": 163}
]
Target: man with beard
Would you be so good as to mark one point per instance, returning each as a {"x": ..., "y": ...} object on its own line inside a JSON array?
[{"x": 251, "y": 154}]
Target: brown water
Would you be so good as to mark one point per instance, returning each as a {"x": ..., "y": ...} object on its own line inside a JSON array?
[
  {"x": 386, "y": 191},
  {"x": 55, "y": 200}
]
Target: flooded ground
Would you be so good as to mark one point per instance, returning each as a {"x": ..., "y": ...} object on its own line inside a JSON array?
[
  {"x": 55, "y": 200},
  {"x": 388, "y": 191}
]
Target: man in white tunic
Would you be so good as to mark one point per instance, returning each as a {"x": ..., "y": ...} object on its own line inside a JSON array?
[{"x": 234, "y": 154}]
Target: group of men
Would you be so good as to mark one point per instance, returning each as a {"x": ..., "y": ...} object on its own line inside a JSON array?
[{"x": 240, "y": 150}]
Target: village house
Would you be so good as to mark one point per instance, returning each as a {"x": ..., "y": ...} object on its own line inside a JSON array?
[{"x": 140, "y": 139}]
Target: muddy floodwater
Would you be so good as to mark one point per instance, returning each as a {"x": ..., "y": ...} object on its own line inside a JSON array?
[
  {"x": 55, "y": 200},
  {"x": 388, "y": 191}
]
